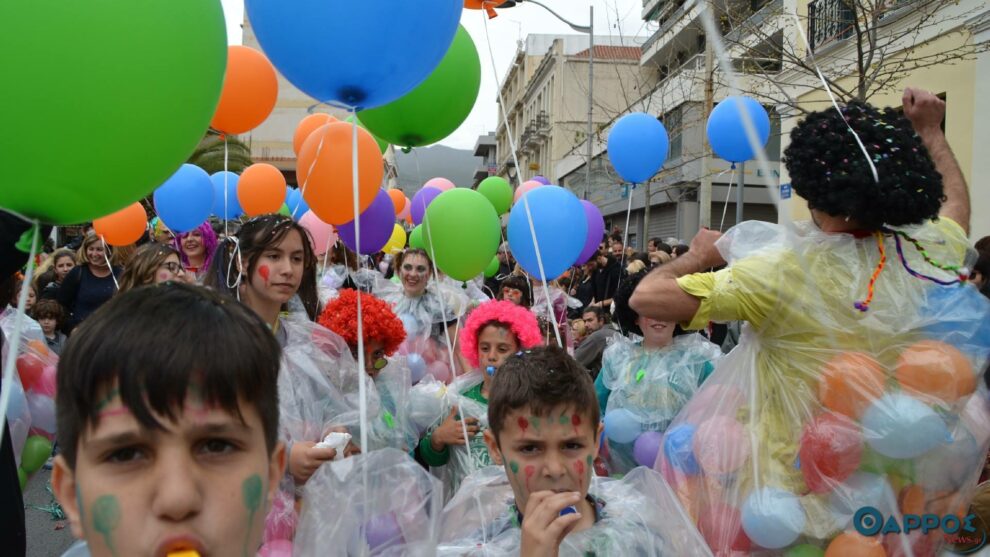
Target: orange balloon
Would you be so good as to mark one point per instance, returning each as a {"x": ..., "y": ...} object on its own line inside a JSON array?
[
  {"x": 912, "y": 500},
  {"x": 307, "y": 126},
  {"x": 934, "y": 368},
  {"x": 398, "y": 199},
  {"x": 854, "y": 544},
  {"x": 328, "y": 186},
  {"x": 250, "y": 89},
  {"x": 261, "y": 189},
  {"x": 850, "y": 382},
  {"x": 487, "y": 5},
  {"x": 123, "y": 227}
]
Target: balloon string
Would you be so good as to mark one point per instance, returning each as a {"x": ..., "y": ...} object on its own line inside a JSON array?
[
  {"x": 109, "y": 265},
  {"x": 625, "y": 231},
  {"x": 14, "y": 341},
  {"x": 312, "y": 165},
  {"x": 355, "y": 185},
  {"x": 529, "y": 214},
  {"x": 728, "y": 194},
  {"x": 226, "y": 213}
]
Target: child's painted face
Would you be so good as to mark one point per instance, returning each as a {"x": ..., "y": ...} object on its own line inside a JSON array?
[
  {"x": 63, "y": 266},
  {"x": 495, "y": 345},
  {"x": 192, "y": 244},
  {"x": 415, "y": 273},
  {"x": 204, "y": 483},
  {"x": 513, "y": 295},
  {"x": 546, "y": 453},
  {"x": 656, "y": 333},
  {"x": 47, "y": 325},
  {"x": 279, "y": 271}
]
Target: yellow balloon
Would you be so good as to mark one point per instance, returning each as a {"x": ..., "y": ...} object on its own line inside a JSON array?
[{"x": 396, "y": 242}]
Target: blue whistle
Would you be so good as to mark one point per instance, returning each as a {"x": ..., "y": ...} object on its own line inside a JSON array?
[
  {"x": 568, "y": 510},
  {"x": 490, "y": 370}
]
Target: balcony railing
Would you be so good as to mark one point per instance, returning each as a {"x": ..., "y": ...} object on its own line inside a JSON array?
[
  {"x": 829, "y": 21},
  {"x": 668, "y": 22},
  {"x": 755, "y": 19}
]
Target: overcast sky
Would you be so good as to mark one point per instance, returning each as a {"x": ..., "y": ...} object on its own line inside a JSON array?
[{"x": 611, "y": 18}]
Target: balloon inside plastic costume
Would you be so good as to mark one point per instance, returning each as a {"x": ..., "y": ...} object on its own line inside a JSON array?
[
  {"x": 641, "y": 390},
  {"x": 638, "y": 516},
  {"x": 379, "y": 503},
  {"x": 857, "y": 383},
  {"x": 31, "y": 410},
  {"x": 319, "y": 393},
  {"x": 424, "y": 317},
  {"x": 560, "y": 302}
]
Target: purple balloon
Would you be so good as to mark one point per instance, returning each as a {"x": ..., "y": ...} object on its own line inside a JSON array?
[
  {"x": 541, "y": 180},
  {"x": 383, "y": 531},
  {"x": 596, "y": 227},
  {"x": 421, "y": 201},
  {"x": 647, "y": 447},
  {"x": 377, "y": 225}
]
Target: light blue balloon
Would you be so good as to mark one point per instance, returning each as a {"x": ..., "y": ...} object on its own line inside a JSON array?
[
  {"x": 727, "y": 129},
  {"x": 185, "y": 200},
  {"x": 233, "y": 209},
  {"x": 958, "y": 316},
  {"x": 294, "y": 198},
  {"x": 360, "y": 54},
  {"x": 637, "y": 146},
  {"x": 622, "y": 426},
  {"x": 18, "y": 400},
  {"x": 900, "y": 426},
  {"x": 561, "y": 230},
  {"x": 772, "y": 518},
  {"x": 678, "y": 448},
  {"x": 417, "y": 367},
  {"x": 862, "y": 489}
]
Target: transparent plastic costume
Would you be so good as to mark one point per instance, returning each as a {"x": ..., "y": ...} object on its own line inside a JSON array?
[
  {"x": 31, "y": 410},
  {"x": 318, "y": 393},
  {"x": 380, "y": 503},
  {"x": 857, "y": 383},
  {"x": 335, "y": 276},
  {"x": 638, "y": 516},
  {"x": 560, "y": 302},
  {"x": 650, "y": 387},
  {"x": 424, "y": 317}
]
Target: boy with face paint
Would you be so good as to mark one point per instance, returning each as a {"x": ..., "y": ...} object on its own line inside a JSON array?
[
  {"x": 544, "y": 435},
  {"x": 166, "y": 450}
]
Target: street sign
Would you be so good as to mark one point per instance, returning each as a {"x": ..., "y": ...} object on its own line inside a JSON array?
[{"x": 785, "y": 191}]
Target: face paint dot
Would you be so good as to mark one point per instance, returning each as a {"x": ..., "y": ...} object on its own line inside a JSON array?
[
  {"x": 523, "y": 424},
  {"x": 575, "y": 420},
  {"x": 106, "y": 517},
  {"x": 514, "y": 466},
  {"x": 579, "y": 467},
  {"x": 263, "y": 272},
  {"x": 563, "y": 420},
  {"x": 251, "y": 490}
]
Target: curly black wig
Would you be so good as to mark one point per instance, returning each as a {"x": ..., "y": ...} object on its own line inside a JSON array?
[{"x": 830, "y": 171}]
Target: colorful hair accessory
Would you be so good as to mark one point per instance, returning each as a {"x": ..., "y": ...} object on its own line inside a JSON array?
[
  {"x": 916, "y": 274},
  {"x": 865, "y": 304}
]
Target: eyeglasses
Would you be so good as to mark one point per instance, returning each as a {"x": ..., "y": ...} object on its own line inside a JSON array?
[
  {"x": 418, "y": 269},
  {"x": 172, "y": 267}
]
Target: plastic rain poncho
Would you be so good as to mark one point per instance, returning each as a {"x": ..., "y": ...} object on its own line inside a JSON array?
[
  {"x": 835, "y": 399},
  {"x": 380, "y": 503},
  {"x": 638, "y": 516},
  {"x": 31, "y": 410},
  {"x": 649, "y": 387},
  {"x": 336, "y": 275}
]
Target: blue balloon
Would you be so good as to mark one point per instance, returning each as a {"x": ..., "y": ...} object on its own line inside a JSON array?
[
  {"x": 678, "y": 448},
  {"x": 294, "y": 198},
  {"x": 638, "y": 146},
  {"x": 561, "y": 230},
  {"x": 185, "y": 200},
  {"x": 622, "y": 426},
  {"x": 233, "y": 206},
  {"x": 772, "y": 518},
  {"x": 900, "y": 426},
  {"x": 361, "y": 54},
  {"x": 417, "y": 367},
  {"x": 18, "y": 400},
  {"x": 958, "y": 315},
  {"x": 727, "y": 129}
]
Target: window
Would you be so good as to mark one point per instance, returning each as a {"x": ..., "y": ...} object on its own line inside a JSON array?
[{"x": 672, "y": 122}]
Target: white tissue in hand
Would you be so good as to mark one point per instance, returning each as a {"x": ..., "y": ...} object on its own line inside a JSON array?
[{"x": 335, "y": 441}]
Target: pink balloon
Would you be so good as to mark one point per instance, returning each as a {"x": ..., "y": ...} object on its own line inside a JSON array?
[
  {"x": 721, "y": 445},
  {"x": 440, "y": 371},
  {"x": 441, "y": 184},
  {"x": 323, "y": 234},
  {"x": 276, "y": 548},
  {"x": 713, "y": 399},
  {"x": 525, "y": 188},
  {"x": 46, "y": 383}
]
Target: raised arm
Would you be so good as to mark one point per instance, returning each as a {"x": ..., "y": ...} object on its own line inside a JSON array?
[
  {"x": 658, "y": 295},
  {"x": 926, "y": 112}
]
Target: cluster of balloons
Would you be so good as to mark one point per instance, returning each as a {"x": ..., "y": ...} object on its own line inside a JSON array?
[{"x": 31, "y": 411}]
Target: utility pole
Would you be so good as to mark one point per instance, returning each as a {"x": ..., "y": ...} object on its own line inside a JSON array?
[
  {"x": 705, "y": 190},
  {"x": 591, "y": 88}
]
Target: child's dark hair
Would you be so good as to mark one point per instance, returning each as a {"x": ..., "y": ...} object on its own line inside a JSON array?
[
  {"x": 254, "y": 237},
  {"x": 624, "y": 315},
  {"x": 540, "y": 379},
  {"x": 141, "y": 343},
  {"x": 49, "y": 309},
  {"x": 830, "y": 171},
  {"x": 519, "y": 283}
]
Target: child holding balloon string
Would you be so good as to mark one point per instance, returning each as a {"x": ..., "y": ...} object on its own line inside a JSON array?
[{"x": 492, "y": 332}]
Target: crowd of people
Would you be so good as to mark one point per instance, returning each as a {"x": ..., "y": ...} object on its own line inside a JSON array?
[{"x": 210, "y": 396}]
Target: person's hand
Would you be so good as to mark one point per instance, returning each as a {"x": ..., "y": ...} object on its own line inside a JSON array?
[
  {"x": 924, "y": 110},
  {"x": 543, "y": 527},
  {"x": 350, "y": 449},
  {"x": 305, "y": 458},
  {"x": 450, "y": 432},
  {"x": 703, "y": 248}
]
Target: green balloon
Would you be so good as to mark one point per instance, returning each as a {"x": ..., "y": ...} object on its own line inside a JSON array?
[
  {"x": 492, "y": 269},
  {"x": 104, "y": 101},
  {"x": 22, "y": 477},
  {"x": 804, "y": 550},
  {"x": 437, "y": 106},
  {"x": 498, "y": 191},
  {"x": 285, "y": 210},
  {"x": 382, "y": 145},
  {"x": 416, "y": 238},
  {"x": 463, "y": 229},
  {"x": 35, "y": 453}
]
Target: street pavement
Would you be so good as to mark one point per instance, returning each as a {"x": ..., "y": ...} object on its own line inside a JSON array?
[{"x": 45, "y": 537}]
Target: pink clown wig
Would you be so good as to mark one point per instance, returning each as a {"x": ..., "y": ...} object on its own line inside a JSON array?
[
  {"x": 209, "y": 244},
  {"x": 519, "y": 320}
]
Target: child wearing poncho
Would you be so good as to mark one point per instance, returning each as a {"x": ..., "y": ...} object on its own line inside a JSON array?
[
  {"x": 492, "y": 332},
  {"x": 541, "y": 498},
  {"x": 644, "y": 383}
]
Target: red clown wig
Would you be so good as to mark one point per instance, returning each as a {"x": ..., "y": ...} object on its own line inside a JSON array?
[
  {"x": 380, "y": 322},
  {"x": 519, "y": 320}
]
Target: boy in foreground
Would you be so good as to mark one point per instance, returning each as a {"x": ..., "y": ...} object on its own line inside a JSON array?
[{"x": 167, "y": 411}]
